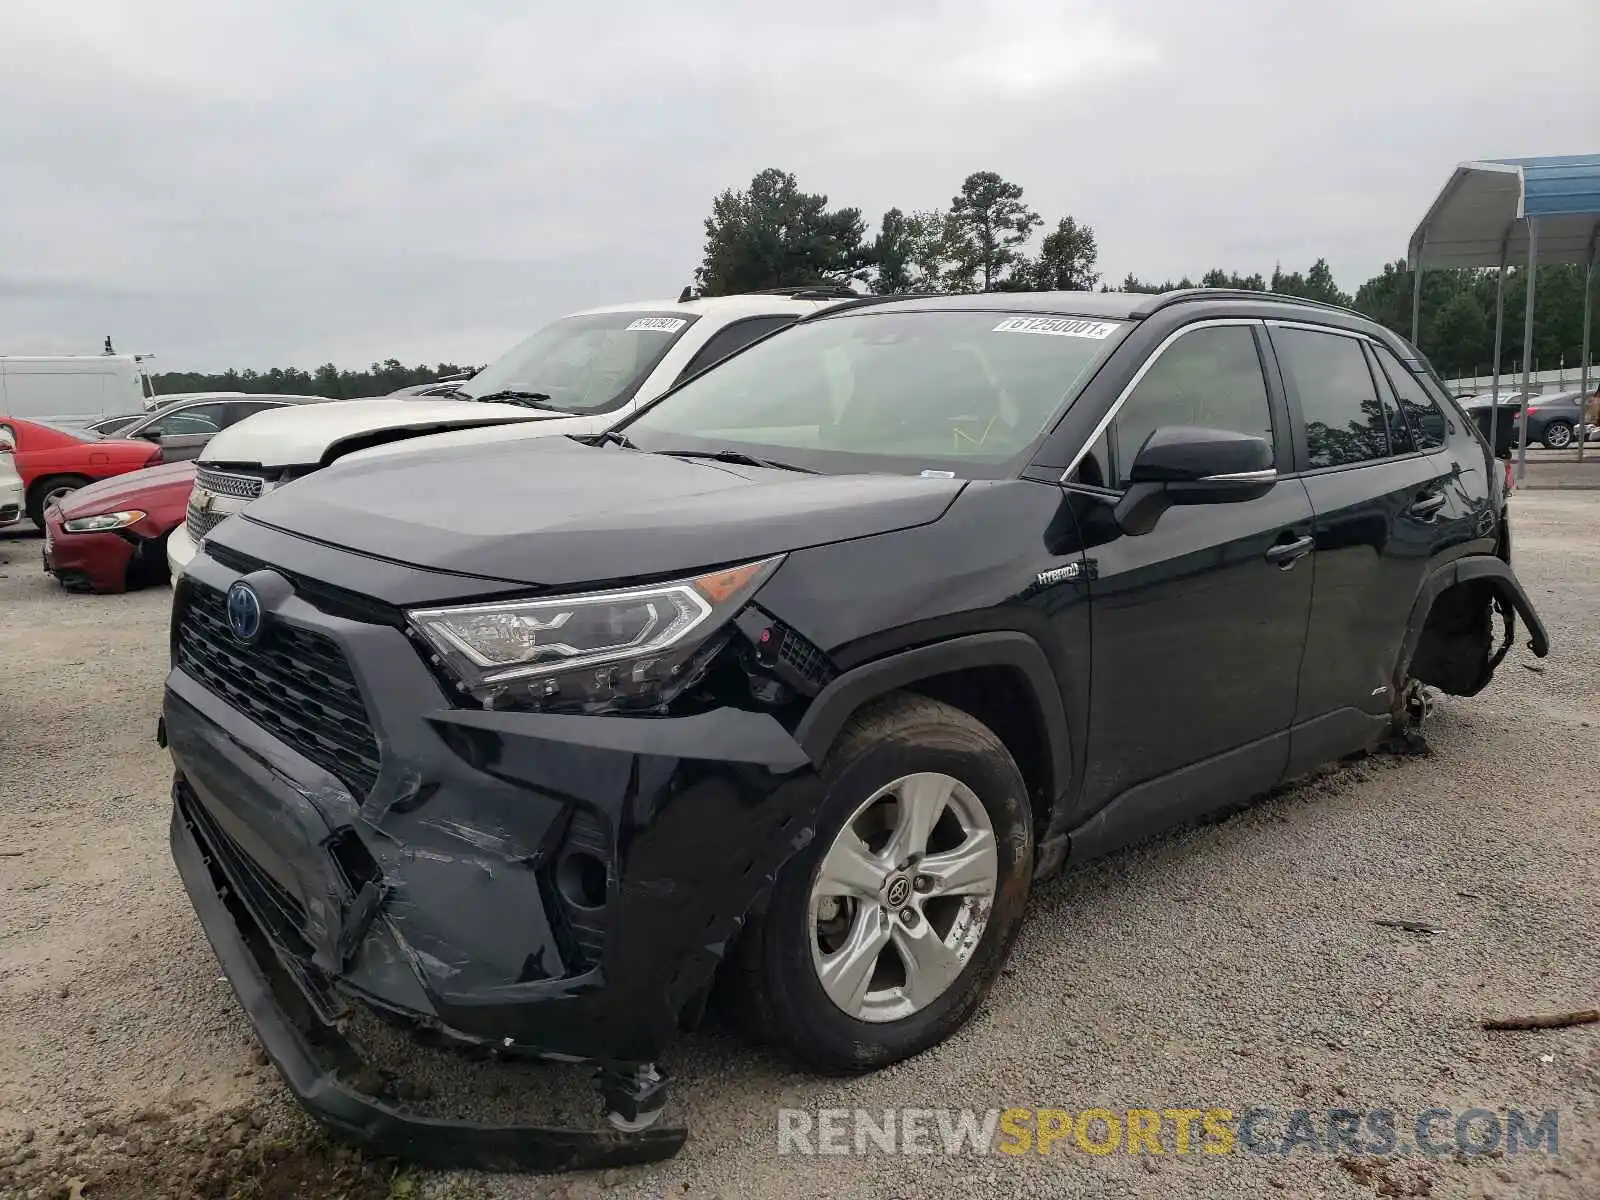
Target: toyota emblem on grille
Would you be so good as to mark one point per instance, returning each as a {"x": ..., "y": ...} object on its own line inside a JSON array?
[{"x": 244, "y": 612}]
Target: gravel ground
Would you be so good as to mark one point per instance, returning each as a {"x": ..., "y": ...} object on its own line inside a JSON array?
[{"x": 1222, "y": 967}]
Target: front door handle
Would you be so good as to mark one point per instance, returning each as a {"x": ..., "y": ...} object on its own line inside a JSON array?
[
  {"x": 1427, "y": 504},
  {"x": 1286, "y": 554}
]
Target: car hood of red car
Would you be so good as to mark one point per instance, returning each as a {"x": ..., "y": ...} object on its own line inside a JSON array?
[{"x": 154, "y": 487}]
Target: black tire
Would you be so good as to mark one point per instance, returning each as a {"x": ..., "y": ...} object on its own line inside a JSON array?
[
  {"x": 42, "y": 489},
  {"x": 899, "y": 735},
  {"x": 148, "y": 566},
  {"x": 1557, "y": 435}
]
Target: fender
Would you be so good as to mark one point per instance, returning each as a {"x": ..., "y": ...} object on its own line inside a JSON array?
[
  {"x": 837, "y": 702},
  {"x": 1497, "y": 573}
]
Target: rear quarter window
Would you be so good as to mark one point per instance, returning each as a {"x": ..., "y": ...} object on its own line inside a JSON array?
[{"x": 1424, "y": 413}]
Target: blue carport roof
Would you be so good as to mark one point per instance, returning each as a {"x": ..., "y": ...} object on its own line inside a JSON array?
[{"x": 1482, "y": 210}]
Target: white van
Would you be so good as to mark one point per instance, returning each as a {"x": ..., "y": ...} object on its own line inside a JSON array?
[{"x": 70, "y": 389}]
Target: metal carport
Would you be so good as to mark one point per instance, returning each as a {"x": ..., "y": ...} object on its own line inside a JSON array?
[{"x": 1546, "y": 210}]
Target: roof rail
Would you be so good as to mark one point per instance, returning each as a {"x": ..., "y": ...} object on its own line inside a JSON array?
[
  {"x": 864, "y": 300},
  {"x": 811, "y": 291},
  {"x": 1162, "y": 300}
]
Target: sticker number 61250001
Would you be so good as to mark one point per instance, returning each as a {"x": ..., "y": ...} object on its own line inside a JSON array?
[{"x": 1058, "y": 327}]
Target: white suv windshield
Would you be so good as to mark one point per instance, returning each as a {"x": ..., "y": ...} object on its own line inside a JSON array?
[
  {"x": 581, "y": 364},
  {"x": 976, "y": 387}
]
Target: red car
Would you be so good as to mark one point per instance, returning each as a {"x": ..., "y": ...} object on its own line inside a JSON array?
[
  {"x": 113, "y": 534},
  {"x": 54, "y": 460}
]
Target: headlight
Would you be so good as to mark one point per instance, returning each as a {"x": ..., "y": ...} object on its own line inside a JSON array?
[
  {"x": 105, "y": 522},
  {"x": 631, "y": 646}
]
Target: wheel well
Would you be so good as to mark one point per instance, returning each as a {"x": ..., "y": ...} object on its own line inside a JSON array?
[
  {"x": 999, "y": 697},
  {"x": 148, "y": 563},
  {"x": 1457, "y": 638},
  {"x": 34, "y": 501},
  {"x": 40, "y": 485}
]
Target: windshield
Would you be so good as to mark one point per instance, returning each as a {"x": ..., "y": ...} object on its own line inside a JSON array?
[
  {"x": 892, "y": 390},
  {"x": 112, "y": 424},
  {"x": 583, "y": 364}
]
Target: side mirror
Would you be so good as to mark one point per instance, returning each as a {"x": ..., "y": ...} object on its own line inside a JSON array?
[{"x": 1180, "y": 464}]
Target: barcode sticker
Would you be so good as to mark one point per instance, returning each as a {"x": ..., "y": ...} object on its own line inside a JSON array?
[
  {"x": 656, "y": 324},
  {"x": 1058, "y": 327}
]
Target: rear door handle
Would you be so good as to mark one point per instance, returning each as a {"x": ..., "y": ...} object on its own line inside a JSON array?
[
  {"x": 1286, "y": 554},
  {"x": 1428, "y": 504}
]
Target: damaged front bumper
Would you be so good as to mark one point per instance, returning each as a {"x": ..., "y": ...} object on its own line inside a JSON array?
[
  {"x": 320, "y": 1066},
  {"x": 539, "y": 885}
]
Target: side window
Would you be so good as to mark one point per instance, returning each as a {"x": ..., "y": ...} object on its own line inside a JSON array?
[
  {"x": 1210, "y": 377},
  {"x": 1427, "y": 419},
  {"x": 1343, "y": 415},
  {"x": 234, "y": 413},
  {"x": 733, "y": 337},
  {"x": 197, "y": 418},
  {"x": 1400, "y": 439}
]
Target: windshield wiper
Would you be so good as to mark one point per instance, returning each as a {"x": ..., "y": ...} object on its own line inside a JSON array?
[
  {"x": 540, "y": 400},
  {"x": 739, "y": 456},
  {"x": 614, "y": 435}
]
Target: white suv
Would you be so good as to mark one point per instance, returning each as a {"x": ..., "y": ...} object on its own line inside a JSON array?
[{"x": 579, "y": 375}]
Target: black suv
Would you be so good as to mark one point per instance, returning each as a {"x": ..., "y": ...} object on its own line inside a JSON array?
[{"x": 807, "y": 672}]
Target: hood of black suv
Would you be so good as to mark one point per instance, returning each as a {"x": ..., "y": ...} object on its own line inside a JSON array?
[{"x": 557, "y": 513}]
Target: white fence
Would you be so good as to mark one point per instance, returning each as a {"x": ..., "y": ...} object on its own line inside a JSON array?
[{"x": 1565, "y": 379}]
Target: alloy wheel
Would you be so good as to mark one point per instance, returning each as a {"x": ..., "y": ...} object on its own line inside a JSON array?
[
  {"x": 902, "y": 897},
  {"x": 57, "y": 494}
]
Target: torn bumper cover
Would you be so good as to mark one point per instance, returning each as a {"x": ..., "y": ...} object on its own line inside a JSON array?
[
  {"x": 542, "y": 885},
  {"x": 316, "y": 1061}
]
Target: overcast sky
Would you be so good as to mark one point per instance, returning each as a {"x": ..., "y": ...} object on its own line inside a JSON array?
[{"x": 261, "y": 182}]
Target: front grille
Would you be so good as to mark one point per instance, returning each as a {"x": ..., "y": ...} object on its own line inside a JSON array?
[
  {"x": 242, "y": 487},
  {"x": 294, "y": 683},
  {"x": 805, "y": 659},
  {"x": 271, "y": 904},
  {"x": 265, "y": 906},
  {"x": 200, "y": 523}
]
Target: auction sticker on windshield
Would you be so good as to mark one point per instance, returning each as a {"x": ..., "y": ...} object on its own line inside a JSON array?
[
  {"x": 1058, "y": 327},
  {"x": 657, "y": 324}
]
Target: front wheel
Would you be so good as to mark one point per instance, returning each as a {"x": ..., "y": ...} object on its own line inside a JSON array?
[
  {"x": 1557, "y": 435},
  {"x": 884, "y": 935},
  {"x": 51, "y": 490}
]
